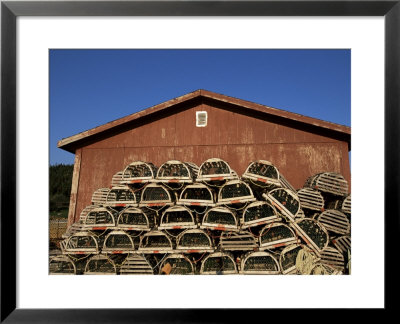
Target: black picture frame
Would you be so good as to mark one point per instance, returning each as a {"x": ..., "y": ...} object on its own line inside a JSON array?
[{"x": 10, "y": 10}]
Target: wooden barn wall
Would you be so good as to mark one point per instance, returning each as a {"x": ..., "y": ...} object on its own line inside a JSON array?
[{"x": 234, "y": 137}]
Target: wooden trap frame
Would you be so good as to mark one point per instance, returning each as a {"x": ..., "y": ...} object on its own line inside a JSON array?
[
  {"x": 155, "y": 242},
  {"x": 61, "y": 265},
  {"x": 177, "y": 217},
  {"x": 235, "y": 192},
  {"x": 135, "y": 219},
  {"x": 333, "y": 258},
  {"x": 342, "y": 243},
  {"x": 156, "y": 195},
  {"x": 215, "y": 170},
  {"x": 285, "y": 200},
  {"x": 287, "y": 259},
  {"x": 100, "y": 219},
  {"x": 311, "y": 199},
  {"x": 335, "y": 221},
  {"x": 177, "y": 264},
  {"x": 177, "y": 172},
  {"x": 85, "y": 211},
  {"x": 259, "y": 262},
  {"x": 194, "y": 241},
  {"x": 259, "y": 213},
  {"x": 121, "y": 196},
  {"x": 237, "y": 241},
  {"x": 220, "y": 219},
  {"x": 100, "y": 265},
  {"x": 136, "y": 264},
  {"x": 74, "y": 228},
  {"x": 99, "y": 197},
  {"x": 329, "y": 182},
  {"x": 81, "y": 243},
  {"x": 346, "y": 206},
  {"x": 313, "y": 233},
  {"x": 276, "y": 235},
  {"x": 139, "y": 172},
  {"x": 262, "y": 173},
  {"x": 218, "y": 263},
  {"x": 118, "y": 242},
  {"x": 196, "y": 194},
  {"x": 116, "y": 179}
]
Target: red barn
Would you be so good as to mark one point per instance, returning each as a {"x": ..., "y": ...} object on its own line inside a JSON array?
[{"x": 236, "y": 131}]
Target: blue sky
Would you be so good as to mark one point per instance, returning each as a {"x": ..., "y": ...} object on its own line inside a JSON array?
[{"x": 91, "y": 87}]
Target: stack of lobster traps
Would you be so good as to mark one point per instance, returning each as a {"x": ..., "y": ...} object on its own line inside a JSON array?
[{"x": 184, "y": 219}]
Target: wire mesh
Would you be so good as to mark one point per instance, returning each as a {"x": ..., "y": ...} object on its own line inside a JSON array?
[
  {"x": 260, "y": 263},
  {"x": 194, "y": 239},
  {"x": 100, "y": 265},
  {"x": 118, "y": 241},
  {"x": 263, "y": 170},
  {"x": 235, "y": 190},
  {"x": 286, "y": 199},
  {"x": 218, "y": 264},
  {"x": 61, "y": 265},
  {"x": 179, "y": 265},
  {"x": 314, "y": 231},
  {"x": 258, "y": 211},
  {"x": 219, "y": 217},
  {"x": 215, "y": 168},
  {"x": 275, "y": 233}
]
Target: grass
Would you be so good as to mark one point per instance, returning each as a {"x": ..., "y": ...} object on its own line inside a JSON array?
[{"x": 59, "y": 214}]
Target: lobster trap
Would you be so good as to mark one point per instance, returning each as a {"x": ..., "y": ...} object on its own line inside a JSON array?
[
  {"x": 220, "y": 219},
  {"x": 116, "y": 179},
  {"x": 177, "y": 264},
  {"x": 177, "y": 217},
  {"x": 81, "y": 243},
  {"x": 237, "y": 241},
  {"x": 311, "y": 199},
  {"x": 155, "y": 242},
  {"x": 218, "y": 263},
  {"x": 177, "y": 172},
  {"x": 276, "y": 235},
  {"x": 342, "y": 243},
  {"x": 259, "y": 263},
  {"x": 329, "y": 182},
  {"x": 139, "y": 172},
  {"x": 285, "y": 200},
  {"x": 194, "y": 241},
  {"x": 235, "y": 192},
  {"x": 287, "y": 259},
  {"x": 262, "y": 173},
  {"x": 100, "y": 265},
  {"x": 346, "y": 206},
  {"x": 215, "y": 170},
  {"x": 118, "y": 242},
  {"x": 259, "y": 213},
  {"x": 99, "y": 197},
  {"x": 121, "y": 197},
  {"x": 323, "y": 269},
  {"x": 135, "y": 219},
  {"x": 73, "y": 229},
  {"x": 155, "y": 195},
  {"x": 196, "y": 195},
  {"x": 335, "y": 221},
  {"x": 136, "y": 264},
  {"x": 313, "y": 233},
  {"x": 61, "y": 265},
  {"x": 333, "y": 258},
  {"x": 100, "y": 219},
  {"x": 85, "y": 211}
]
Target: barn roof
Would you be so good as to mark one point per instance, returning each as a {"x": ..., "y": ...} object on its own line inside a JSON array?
[{"x": 246, "y": 107}]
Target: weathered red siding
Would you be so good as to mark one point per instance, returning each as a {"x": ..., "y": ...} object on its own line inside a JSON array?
[{"x": 230, "y": 135}]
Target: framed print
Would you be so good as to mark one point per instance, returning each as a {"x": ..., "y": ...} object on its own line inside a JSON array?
[{"x": 368, "y": 29}]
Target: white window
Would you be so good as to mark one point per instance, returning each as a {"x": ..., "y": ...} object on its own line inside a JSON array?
[{"x": 201, "y": 118}]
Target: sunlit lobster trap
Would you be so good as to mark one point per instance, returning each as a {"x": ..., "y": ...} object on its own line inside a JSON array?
[
  {"x": 235, "y": 192},
  {"x": 328, "y": 182},
  {"x": 156, "y": 242},
  {"x": 121, "y": 196},
  {"x": 81, "y": 243},
  {"x": 218, "y": 263},
  {"x": 156, "y": 195},
  {"x": 118, "y": 242},
  {"x": 194, "y": 241},
  {"x": 237, "y": 241},
  {"x": 277, "y": 235},
  {"x": 215, "y": 170},
  {"x": 139, "y": 172},
  {"x": 135, "y": 219},
  {"x": 177, "y": 172},
  {"x": 313, "y": 234},
  {"x": 61, "y": 265},
  {"x": 100, "y": 219},
  {"x": 136, "y": 264},
  {"x": 196, "y": 194},
  {"x": 259, "y": 213},
  {"x": 259, "y": 262},
  {"x": 220, "y": 219},
  {"x": 335, "y": 221},
  {"x": 311, "y": 199},
  {"x": 177, "y": 217},
  {"x": 177, "y": 264},
  {"x": 100, "y": 265},
  {"x": 286, "y": 201}
]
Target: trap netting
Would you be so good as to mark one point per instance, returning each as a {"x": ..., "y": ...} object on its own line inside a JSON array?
[
  {"x": 121, "y": 197},
  {"x": 196, "y": 195},
  {"x": 194, "y": 241},
  {"x": 276, "y": 235},
  {"x": 235, "y": 192},
  {"x": 329, "y": 182},
  {"x": 177, "y": 171},
  {"x": 139, "y": 172},
  {"x": 177, "y": 217},
  {"x": 81, "y": 243},
  {"x": 258, "y": 213},
  {"x": 100, "y": 218},
  {"x": 313, "y": 233},
  {"x": 177, "y": 264},
  {"x": 218, "y": 263},
  {"x": 262, "y": 173},
  {"x": 100, "y": 265},
  {"x": 215, "y": 170},
  {"x": 135, "y": 219},
  {"x": 285, "y": 200},
  {"x": 259, "y": 263},
  {"x": 311, "y": 199},
  {"x": 156, "y": 195},
  {"x": 155, "y": 242},
  {"x": 118, "y": 242},
  {"x": 61, "y": 265},
  {"x": 220, "y": 219}
]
